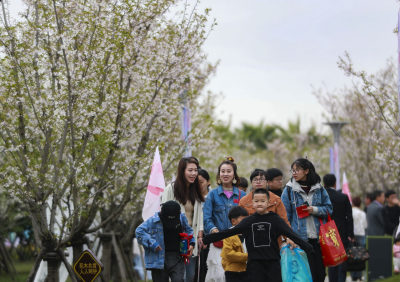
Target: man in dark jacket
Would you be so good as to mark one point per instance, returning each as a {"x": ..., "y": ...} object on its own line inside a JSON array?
[
  {"x": 376, "y": 223},
  {"x": 343, "y": 217},
  {"x": 391, "y": 212}
]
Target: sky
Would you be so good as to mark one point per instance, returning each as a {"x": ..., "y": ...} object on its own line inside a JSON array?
[{"x": 273, "y": 53}]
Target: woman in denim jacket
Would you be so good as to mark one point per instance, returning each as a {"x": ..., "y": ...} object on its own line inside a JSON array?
[
  {"x": 215, "y": 211},
  {"x": 305, "y": 193}
]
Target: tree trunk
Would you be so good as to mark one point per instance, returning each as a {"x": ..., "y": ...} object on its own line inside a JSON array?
[
  {"x": 5, "y": 257},
  {"x": 32, "y": 273},
  {"x": 53, "y": 264},
  {"x": 36, "y": 232},
  {"x": 126, "y": 245},
  {"x": 143, "y": 263},
  {"x": 71, "y": 272},
  {"x": 120, "y": 258},
  {"x": 115, "y": 270},
  {"x": 105, "y": 239},
  {"x": 77, "y": 250},
  {"x": 127, "y": 253}
]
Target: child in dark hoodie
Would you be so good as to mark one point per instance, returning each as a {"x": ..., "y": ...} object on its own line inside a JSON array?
[{"x": 160, "y": 238}]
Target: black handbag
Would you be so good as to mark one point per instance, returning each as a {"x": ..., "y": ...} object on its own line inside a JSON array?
[{"x": 356, "y": 258}]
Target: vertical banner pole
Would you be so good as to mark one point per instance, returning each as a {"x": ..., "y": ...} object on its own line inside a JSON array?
[
  {"x": 337, "y": 165},
  {"x": 331, "y": 160},
  {"x": 186, "y": 128},
  {"x": 398, "y": 63}
]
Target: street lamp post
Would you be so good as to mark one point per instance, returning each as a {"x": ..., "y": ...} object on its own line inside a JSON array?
[{"x": 336, "y": 126}]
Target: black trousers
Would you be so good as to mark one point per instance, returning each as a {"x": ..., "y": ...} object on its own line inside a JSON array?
[
  {"x": 174, "y": 268},
  {"x": 203, "y": 265},
  {"x": 264, "y": 270},
  {"x": 337, "y": 273},
  {"x": 316, "y": 264},
  {"x": 231, "y": 276}
]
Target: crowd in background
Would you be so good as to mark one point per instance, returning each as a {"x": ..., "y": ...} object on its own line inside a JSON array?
[{"x": 209, "y": 213}]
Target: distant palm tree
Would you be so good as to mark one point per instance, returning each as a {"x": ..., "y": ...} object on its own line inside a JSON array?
[{"x": 258, "y": 135}]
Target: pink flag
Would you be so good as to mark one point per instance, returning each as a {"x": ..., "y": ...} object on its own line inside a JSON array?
[
  {"x": 345, "y": 187},
  {"x": 154, "y": 189}
]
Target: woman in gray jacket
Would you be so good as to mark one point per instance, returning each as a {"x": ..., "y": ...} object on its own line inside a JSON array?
[{"x": 306, "y": 201}]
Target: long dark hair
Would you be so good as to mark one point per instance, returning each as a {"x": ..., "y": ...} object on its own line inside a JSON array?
[
  {"x": 181, "y": 192},
  {"x": 230, "y": 162},
  {"x": 312, "y": 176}
]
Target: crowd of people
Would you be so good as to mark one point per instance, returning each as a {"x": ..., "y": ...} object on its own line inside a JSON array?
[{"x": 235, "y": 231}]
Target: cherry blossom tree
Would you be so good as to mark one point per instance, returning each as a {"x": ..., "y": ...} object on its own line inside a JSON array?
[
  {"x": 370, "y": 150},
  {"x": 89, "y": 88}
]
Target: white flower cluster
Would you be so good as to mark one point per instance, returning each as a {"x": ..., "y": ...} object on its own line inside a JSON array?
[
  {"x": 370, "y": 144},
  {"x": 89, "y": 89}
]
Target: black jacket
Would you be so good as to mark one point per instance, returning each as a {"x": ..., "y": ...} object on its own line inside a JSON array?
[
  {"x": 391, "y": 217},
  {"x": 342, "y": 215},
  {"x": 261, "y": 232}
]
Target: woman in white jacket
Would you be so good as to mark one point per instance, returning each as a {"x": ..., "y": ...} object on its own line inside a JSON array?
[{"x": 187, "y": 192}]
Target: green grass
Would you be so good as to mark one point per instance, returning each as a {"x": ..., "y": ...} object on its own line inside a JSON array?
[
  {"x": 22, "y": 268},
  {"x": 394, "y": 278}
]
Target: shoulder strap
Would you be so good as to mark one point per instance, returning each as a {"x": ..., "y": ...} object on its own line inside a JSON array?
[
  {"x": 289, "y": 191},
  {"x": 239, "y": 196}
]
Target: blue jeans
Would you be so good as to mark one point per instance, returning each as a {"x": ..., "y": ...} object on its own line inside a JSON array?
[
  {"x": 358, "y": 274},
  {"x": 191, "y": 269}
]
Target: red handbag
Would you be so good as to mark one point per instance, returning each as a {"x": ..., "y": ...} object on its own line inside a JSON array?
[
  {"x": 218, "y": 244},
  {"x": 332, "y": 249}
]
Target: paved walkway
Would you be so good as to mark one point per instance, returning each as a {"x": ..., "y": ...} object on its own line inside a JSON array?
[{"x": 348, "y": 278}]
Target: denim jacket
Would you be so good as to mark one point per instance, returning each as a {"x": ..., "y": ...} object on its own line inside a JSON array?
[
  {"x": 307, "y": 227},
  {"x": 150, "y": 234},
  {"x": 217, "y": 206}
]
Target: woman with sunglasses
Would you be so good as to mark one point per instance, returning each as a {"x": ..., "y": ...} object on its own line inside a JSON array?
[
  {"x": 187, "y": 192},
  {"x": 306, "y": 201}
]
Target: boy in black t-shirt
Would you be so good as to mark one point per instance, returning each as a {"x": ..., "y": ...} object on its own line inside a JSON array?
[{"x": 261, "y": 231}]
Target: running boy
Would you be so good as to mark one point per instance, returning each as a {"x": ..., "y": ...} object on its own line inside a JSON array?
[
  {"x": 162, "y": 256},
  {"x": 261, "y": 231},
  {"x": 234, "y": 257}
]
